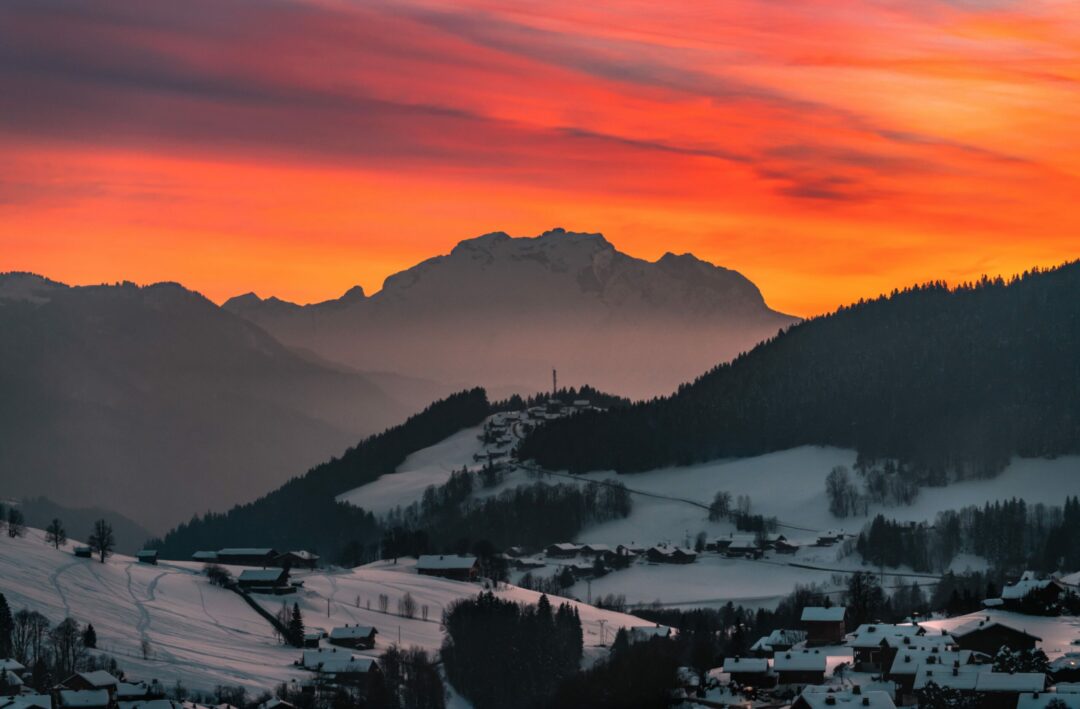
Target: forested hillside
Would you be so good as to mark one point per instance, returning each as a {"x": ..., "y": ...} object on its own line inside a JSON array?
[
  {"x": 951, "y": 382},
  {"x": 303, "y": 514}
]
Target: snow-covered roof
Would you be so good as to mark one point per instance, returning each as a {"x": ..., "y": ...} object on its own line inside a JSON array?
[
  {"x": 908, "y": 662},
  {"x": 352, "y": 632},
  {"x": 799, "y": 661},
  {"x": 302, "y": 554},
  {"x": 99, "y": 679},
  {"x": 820, "y": 614},
  {"x": 11, "y": 664},
  {"x": 1041, "y": 700},
  {"x": 146, "y": 554},
  {"x": 565, "y": 546},
  {"x": 746, "y": 664},
  {"x": 84, "y": 697},
  {"x": 311, "y": 659},
  {"x": 153, "y": 704},
  {"x": 204, "y": 555},
  {"x": 1011, "y": 682},
  {"x": 26, "y": 701},
  {"x": 1067, "y": 687},
  {"x": 261, "y": 574},
  {"x": 341, "y": 665},
  {"x": 963, "y": 677},
  {"x": 246, "y": 551},
  {"x": 870, "y": 635},
  {"x": 743, "y": 542},
  {"x": 446, "y": 562},
  {"x": 778, "y": 637},
  {"x": 1018, "y": 590},
  {"x": 984, "y": 624},
  {"x": 596, "y": 547},
  {"x": 11, "y": 679},
  {"x": 822, "y": 697},
  {"x": 127, "y": 689}
]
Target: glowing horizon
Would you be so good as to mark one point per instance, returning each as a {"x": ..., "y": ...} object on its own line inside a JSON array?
[{"x": 829, "y": 151}]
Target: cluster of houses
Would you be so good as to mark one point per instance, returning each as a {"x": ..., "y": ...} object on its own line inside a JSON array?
[
  {"x": 899, "y": 660},
  {"x": 1045, "y": 591},
  {"x": 96, "y": 689}
]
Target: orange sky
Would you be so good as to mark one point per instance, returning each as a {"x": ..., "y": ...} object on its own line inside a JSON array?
[{"x": 827, "y": 149}]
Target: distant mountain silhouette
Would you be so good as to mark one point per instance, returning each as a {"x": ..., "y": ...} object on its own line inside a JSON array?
[
  {"x": 949, "y": 382},
  {"x": 501, "y": 312},
  {"x": 154, "y": 402},
  {"x": 79, "y": 521}
]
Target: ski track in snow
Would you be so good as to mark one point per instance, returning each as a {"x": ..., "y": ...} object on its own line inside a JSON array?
[{"x": 54, "y": 579}]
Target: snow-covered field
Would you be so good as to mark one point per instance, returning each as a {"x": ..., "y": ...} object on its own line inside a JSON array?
[
  {"x": 788, "y": 485},
  {"x": 206, "y": 636}
]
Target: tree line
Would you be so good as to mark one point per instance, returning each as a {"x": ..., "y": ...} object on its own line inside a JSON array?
[{"x": 950, "y": 383}]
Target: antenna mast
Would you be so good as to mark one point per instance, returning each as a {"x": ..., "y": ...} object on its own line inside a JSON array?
[{"x": 554, "y": 383}]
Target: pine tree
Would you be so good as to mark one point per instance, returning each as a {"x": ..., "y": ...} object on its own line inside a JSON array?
[
  {"x": 55, "y": 533},
  {"x": 7, "y": 625},
  {"x": 89, "y": 637},
  {"x": 296, "y": 626}
]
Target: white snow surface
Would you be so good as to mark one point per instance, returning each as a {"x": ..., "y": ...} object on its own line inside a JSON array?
[{"x": 205, "y": 636}]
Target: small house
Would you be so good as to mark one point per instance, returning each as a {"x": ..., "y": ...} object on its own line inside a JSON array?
[
  {"x": 1002, "y": 690},
  {"x": 247, "y": 556},
  {"x": 905, "y": 666},
  {"x": 448, "y": 566},
  {"x": 824, "y": 626},
  {"x": 98, "y": 679},
  {"x": 744, "y": 547},
  {"x": 800, "y": 667},
  {"x": 27, "y": 701},
  {"x": 1042, "y": 591},
  {"x": 207, "y": 557},
  {"x": 354, "y": 672},
  {"x": 563, "y": 550},
  {"x": 83, "y": 552},
  {"x": 989, "y": 636},
  {"x": 353, "y": 636},
  {"x": 670, "y": 555},
  {"x": 750, "y": 671},
  {"x": 960, "y": 678},
  {"x": 824, "y": 698},
  {"x": 601, "y": 551},
  {"x": 874, "y": 645},
  {"x": 297, "y": 560},
  {"x": 264, "y": 580},
  {"x": 720, "y": 544},
  {"x": 312, "y": 639},
  {"x": 147, "y": 556}
]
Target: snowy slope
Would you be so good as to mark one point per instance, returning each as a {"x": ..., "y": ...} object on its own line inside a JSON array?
[{"x": 206, "y": 636}]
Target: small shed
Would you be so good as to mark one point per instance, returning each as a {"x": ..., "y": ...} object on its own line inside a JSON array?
[
  {"x": 353, "y": 636},
  {"x": 147, "y": 556},
  {"x": 83, "y": 552}
]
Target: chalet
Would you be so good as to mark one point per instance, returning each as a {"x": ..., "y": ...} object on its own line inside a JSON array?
[
  {"x": 354, "y": 672},
  {"x": 314, "y": 659},
  {"x": 313, "y": 638},
  {"x": 134, "y": 691},
  {"x": 829, "y": 538},
  {"x": 874, "y": 645},
  {"x": 602, "y": 551},
  {"x": 777, "y": 641},
  {"x": 670, "y": 555},
  {"x": 824, "y": 698},
  {"x": 719, "y": 545},
  {"x": 247, "y": 556},
  {"x": 83, "y": 552},
  {"x": 265, "y": 581},
  {"x": 564, "y": 550},
  {"x": 989, "y": 636},
  {"x": 905, "y": 666},
  {"x": 448, "y": 566},
  {"x": 83, "y": 699},
  {"x": 1044, "y": 591},
  {"x": 147, "y": 556},
  {"x": 353, "y": 636},
  {"x": 961, "y": 678},
  {"x": 785, "y": 547},
  {"x": 744, "y": 547},
  {"x": 1066, "y": 668},
  {"x": 207, "y": 557},
  {"x": 800, "y": 667},
  {"x": 98, "y": 679},
  {"x": 1002, "y": 690},
  {"x": 824, "y": 626},
  {"x": 630, "y": 549},
  {"x": 1043, "y": 700},
  {"x": 526, "y": 563},
  {"x": 297, "y": 560},
  {"x": 750, "y": 671}
]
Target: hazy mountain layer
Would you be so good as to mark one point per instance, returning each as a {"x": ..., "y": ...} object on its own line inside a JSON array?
[{"x": 502, "y": 312}]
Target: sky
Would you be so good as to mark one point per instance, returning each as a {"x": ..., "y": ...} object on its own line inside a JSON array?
[{"x": 827, "y": 149}]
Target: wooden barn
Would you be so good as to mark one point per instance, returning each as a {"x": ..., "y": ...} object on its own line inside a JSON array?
[
  {"x": 989, "y": 636},
  {"x": 353, "y": 636},
  {"x": 448, "y": 566},
  {"x": 297, "y": 560},
  {"x": 824, "y": 626},
  {"x": 247, "y": 556},
  {"x": 264, "y": 580},
  {"x": 147, "y": 556}
]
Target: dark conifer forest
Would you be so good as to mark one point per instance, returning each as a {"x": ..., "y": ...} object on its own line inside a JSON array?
[{"x": 949, "y": 382}]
